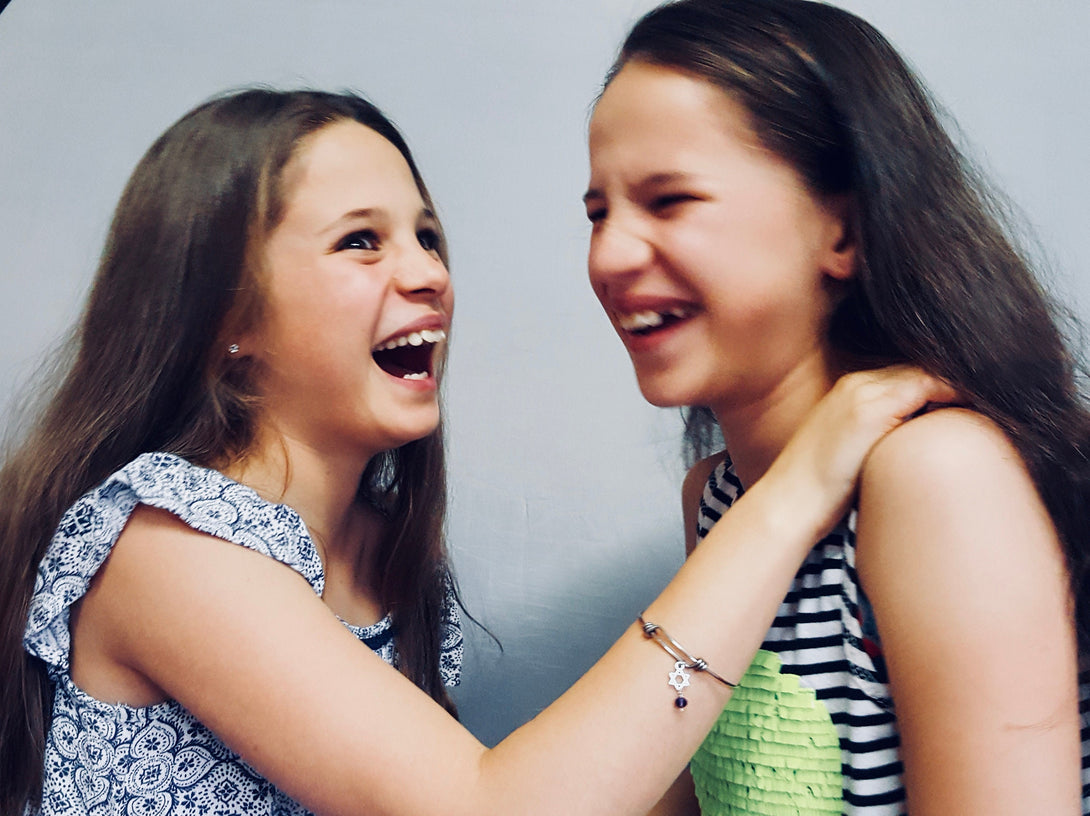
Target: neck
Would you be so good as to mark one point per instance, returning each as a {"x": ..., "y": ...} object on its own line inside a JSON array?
[
  {"x": 757, "y": 430},
  {"x": 321, "y": 486}
]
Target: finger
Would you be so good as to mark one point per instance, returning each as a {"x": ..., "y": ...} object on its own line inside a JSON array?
[
  {"x": 919, "y": 392},
  {"x": 902, "y": 390}
]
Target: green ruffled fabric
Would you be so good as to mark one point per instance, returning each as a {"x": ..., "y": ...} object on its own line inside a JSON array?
[{"x": 773, "y": 751}]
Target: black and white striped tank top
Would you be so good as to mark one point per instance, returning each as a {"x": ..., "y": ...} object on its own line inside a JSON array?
[{"x": 811, "y": 728}]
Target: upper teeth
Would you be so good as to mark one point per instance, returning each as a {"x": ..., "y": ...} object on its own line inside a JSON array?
[
  {"x": 415, "y": 339},
  {"x": 648, "y": 319}
]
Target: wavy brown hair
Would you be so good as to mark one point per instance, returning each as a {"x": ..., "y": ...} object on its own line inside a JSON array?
[
  {"x": 178, "y": 276},
  {"x": 940, "y": 281}
]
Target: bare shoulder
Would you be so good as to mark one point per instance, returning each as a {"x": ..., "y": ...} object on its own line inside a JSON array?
[
  {"x": 964, "y": 570},
  {"x": 692, "y": 489},
  {"x": 147, "y": 522},
  {"x": 157, "y": 563},
  {"x": 946, "y": 445},
  {"x": 152, "y": 542},
  {"x": 952, "y": 477},
  {"x": 162, "y": 574},
  {"x": 950, "y": 521}
]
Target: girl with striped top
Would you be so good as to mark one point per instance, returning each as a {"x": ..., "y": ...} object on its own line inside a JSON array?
[{"x": 774, "y": 203}]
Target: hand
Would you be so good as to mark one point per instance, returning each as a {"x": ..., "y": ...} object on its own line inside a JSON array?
[{"x": 819, "y": 467}]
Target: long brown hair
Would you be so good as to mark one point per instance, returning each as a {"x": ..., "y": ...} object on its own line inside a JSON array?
[
  {"x": 176, "y": 278},
  {"x": 940, "y": 282}
]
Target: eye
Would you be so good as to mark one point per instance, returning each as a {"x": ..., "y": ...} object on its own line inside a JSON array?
[
  {"x": 662, "y": 203},
  {"x": 365, "y": 239},
  {"x": 596, "y": 214},
  {"x": 429, "y": 239}
]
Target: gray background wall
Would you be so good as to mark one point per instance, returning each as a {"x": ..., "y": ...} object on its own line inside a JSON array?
[{"x": 564, "y": 517}]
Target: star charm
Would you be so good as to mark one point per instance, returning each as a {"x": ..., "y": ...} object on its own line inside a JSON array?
[{"x": 679, "y": 678}]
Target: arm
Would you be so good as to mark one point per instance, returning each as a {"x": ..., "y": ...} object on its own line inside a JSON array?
[
  {"x": 963, "y": 568},
  {"x": 680, "y": 799},
  {"x": 243, "y": 642}
]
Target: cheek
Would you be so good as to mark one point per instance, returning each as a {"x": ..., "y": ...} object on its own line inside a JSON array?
[
  {"x": 771, "y": 329},
  {"x": 759, "y": 274},
  {"x": 322, "y": 317},
  {"x": 594, "y": 250},
  {"x": 758, "y": 284}
]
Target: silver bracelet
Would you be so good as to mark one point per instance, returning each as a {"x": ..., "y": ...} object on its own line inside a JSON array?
[{"x": 679, "y": 678}]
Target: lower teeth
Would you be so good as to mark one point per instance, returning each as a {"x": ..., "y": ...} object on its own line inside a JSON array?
[{"x": 420, "y": 375}]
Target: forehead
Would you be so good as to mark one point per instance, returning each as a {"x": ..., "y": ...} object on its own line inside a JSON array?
[
  {"x": 649, "y": 111},
  {"x": 346, "y": 166}
]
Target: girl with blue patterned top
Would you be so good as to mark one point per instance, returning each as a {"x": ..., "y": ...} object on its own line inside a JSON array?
[
  {"x": 774, "y": 202},
  {"x": 240, "y": 478}
]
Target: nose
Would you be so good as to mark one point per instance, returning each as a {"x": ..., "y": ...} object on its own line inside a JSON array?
[
  {"x": 617, "y": 251},
  {"x": 421, "y": 271}
]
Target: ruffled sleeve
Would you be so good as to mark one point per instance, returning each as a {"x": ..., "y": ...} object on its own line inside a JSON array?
[{"x": 204, "y": 499}]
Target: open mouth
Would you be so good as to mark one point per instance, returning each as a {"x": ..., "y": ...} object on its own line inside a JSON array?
[
  {"x": 409, "y": 356},
  {"x": 649, "y": 320}
]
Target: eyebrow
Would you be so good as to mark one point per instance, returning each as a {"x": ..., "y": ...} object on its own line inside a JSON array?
[
  {"x": 425, "y": 214},
  {"x": 351, "y": 215},
  {"x": 653, "y": 180}
]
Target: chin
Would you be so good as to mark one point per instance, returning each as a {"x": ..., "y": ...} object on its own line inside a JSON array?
[
  {"x": 667, "y": 392},
  {"x": 409, "y": 438},
  {"x": 662, "y": 396},
  {"x": 408, "y": 429},
  {"x": 422, "y": 431}
]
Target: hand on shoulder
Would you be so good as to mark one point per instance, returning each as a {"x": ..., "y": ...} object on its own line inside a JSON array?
[{"x": 817, "y": 472}]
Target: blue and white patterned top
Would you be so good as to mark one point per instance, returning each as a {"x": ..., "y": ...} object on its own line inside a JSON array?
[{"x": 105, "y": 759}]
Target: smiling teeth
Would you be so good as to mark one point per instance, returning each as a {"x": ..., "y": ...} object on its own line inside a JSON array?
[
  {"x": 420, "y": 375},
  {"x": 648, "y": 319},
  {"x": 414, "y": 339}
]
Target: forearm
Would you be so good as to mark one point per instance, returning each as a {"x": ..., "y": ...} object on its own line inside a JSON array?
[
  {"x": 615, "y": 741},
  {"x": 679, "y": 800}
]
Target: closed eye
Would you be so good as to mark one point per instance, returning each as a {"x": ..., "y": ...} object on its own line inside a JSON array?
[
  {"x": 596, "y": 214},
  {"x": 662, "y": 203},
  {"x": 365, "y": 239}
]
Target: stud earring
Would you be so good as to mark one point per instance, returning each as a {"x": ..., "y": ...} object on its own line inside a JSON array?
[{"x": 233, "y": 348}]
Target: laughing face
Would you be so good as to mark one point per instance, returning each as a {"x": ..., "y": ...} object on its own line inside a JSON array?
[
  {"x": 714, "y": 262},
  {"x": 356, "y": 300}
]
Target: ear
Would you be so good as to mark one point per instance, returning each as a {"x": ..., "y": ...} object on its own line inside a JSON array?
[
  {"x": 240, "y": 335},
  {"x": 841, "y": 245},
  {"x": 239, "y": 345},
  {"x": 233, "y": 346}
]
